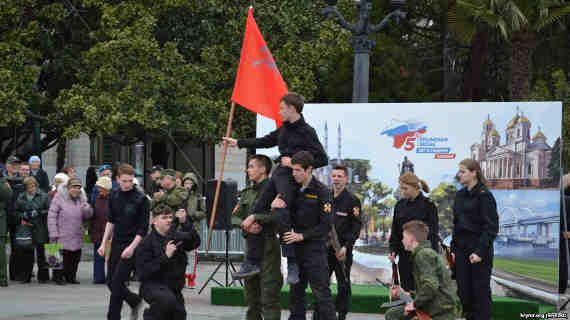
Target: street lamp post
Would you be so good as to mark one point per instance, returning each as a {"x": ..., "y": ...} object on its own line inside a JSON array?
[{"x": 361, "y": 44}]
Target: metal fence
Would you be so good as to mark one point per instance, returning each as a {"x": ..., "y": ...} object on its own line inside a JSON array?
[{"x": 218, "y": 245}]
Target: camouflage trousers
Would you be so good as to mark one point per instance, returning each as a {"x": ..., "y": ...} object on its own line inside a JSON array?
[
  {"x": 263, "y": 291},
  {"x": 397, "y": 313}
]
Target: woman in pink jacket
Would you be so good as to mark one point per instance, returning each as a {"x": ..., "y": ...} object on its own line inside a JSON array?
[{"x": 65, "y": 224}]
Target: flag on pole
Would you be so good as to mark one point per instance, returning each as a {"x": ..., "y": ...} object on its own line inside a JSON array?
[{"x": 259, "y": 85}]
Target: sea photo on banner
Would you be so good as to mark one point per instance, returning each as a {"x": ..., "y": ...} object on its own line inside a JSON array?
[{"x": 516, "y": 144}]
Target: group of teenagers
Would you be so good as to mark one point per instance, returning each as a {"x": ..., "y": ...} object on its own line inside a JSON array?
[
  {"x": 308, "y": 218},
  {"x": 291, "y": 214}
]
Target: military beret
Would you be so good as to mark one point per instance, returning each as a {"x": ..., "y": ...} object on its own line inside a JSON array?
[{"x": 168, "y": 172}]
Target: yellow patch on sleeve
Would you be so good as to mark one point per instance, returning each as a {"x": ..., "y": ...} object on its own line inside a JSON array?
[{"x": 311, "y": 196}]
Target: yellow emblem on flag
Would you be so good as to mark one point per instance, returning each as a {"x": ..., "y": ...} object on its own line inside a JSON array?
[
  {"x": 327, "y": 208},
  {"x": 356, "y": 211}
]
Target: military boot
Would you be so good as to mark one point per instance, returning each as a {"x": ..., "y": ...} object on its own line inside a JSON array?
[
  {"x": 246, "y": 270},
  {"x": 315, "y": 315},
  {"x": 292, "y": 273}
]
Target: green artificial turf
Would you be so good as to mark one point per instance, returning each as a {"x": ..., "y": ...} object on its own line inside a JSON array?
[
  {"x": 367, "y": 299},
  {"x": 538, "y": 269}
]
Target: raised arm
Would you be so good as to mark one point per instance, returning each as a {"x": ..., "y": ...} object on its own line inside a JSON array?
[{"x": 268, "y": 141}]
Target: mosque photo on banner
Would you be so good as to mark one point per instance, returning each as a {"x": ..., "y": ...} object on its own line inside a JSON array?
[{"x": 516, "y": 144}]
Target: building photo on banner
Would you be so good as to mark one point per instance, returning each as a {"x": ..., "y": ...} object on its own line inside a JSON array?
[{"x": 516, "y": 144}]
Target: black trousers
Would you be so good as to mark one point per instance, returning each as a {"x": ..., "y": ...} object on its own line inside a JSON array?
[
  {"x": 313, "y": 266},
  {"x": 165, "y": 303},
  {"x": 405, "y": 271},
  {"x": 119, "y": 272},
  {"x": 474, "y": 284},
  {"x": 344, "y": 294},
  {"x": 281, "y": 182},
  {"x": 28, "y": 258},
  {"x": 13, "y": 262},
  {"x": 70, "y": 264}
]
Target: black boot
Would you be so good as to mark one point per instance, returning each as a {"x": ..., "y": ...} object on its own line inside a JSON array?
[
  {"x": 246, "y": 270},
  {"x": 315, "y": 315},
  {"x": 292, "y": 273}
]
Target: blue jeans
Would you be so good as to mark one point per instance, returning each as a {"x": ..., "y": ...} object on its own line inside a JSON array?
[{"x": 98, "y": 266}]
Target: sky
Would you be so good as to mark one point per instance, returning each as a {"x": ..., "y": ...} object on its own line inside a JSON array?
[{"x": 460, "y": 123}]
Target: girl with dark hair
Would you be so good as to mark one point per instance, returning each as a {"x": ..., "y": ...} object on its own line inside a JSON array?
[
  {"x": 476, "y": 224},
  {"x": 413, "y": 205}
]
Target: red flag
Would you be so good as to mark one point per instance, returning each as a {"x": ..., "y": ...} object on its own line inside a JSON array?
[{"x": 259, "y": 85}]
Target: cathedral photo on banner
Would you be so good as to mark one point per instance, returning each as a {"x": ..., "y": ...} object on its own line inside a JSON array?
[{"x": 516, "y": 144}]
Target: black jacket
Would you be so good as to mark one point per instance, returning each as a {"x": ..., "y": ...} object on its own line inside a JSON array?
[
  {"x": 152, "y": 264},
  {"x": 347, "y": 222},
  {"x": 312, "y": 214},
  {"x": 129, "y": 213},
  {"x": 421, "y": 208},
  {"x": 34, "y": 211},
  {"x": 475, "y": 220},
  {"x": 291, "y": 138}
]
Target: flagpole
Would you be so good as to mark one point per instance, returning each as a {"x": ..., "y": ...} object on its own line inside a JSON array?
[{"x": 219, "y": 184}]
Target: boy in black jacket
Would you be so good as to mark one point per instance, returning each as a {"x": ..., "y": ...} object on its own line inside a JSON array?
[
  {"x": 295, "y": 135},
  {"x": 161, "y": 264}
]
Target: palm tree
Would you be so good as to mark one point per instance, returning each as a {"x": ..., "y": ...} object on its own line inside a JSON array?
[
  {"x": 519, "y": 21},
  {"x": 471, "y": 22},
  {"x": 542, "y": 15}
]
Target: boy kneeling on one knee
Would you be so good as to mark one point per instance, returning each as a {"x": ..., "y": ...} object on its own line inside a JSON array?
[{"x": 161, "y": 263}]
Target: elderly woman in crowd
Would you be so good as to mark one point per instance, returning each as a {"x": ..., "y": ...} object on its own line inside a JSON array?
[
  {"x": 97, "y": 226},
  {"x": 65, "y": 224},
  {"x": 60, "y": 179},
  {"x": 32, "y": 210}
]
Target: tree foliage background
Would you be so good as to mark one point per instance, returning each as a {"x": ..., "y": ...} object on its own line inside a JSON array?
[{"x": 135, "y": 68}]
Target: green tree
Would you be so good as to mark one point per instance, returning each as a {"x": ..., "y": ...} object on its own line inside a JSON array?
[
  {"x": 40, "y": 45},
  {"x": 444, "y": 196},
  {"x": 557, "y": 88},
  {"x": 371, "y": 197},
  {"x": 543, "y": 16},
  {"x": 131, "y": 69}
]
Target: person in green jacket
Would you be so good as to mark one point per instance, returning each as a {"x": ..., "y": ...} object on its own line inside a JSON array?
[
  {"x": 171, "y": 195},
  {"x": 434, "y": 295},
  {"x": 196, "y": 211},
  {"x": 32, "y": 210},
  {"x": 5, "y": 197},
  {"x": 196, "y": 203},
  {"x": 262, "y": 290}
]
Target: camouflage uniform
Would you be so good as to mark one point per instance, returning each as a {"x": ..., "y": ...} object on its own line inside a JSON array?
[
  {"x": 196, "y": 207},
  {"x": 174, "y": 198},
  {"x": 434, "y": 294},
  {"x": 263, "y": 290},
  {"x": 5, "y": 198}
]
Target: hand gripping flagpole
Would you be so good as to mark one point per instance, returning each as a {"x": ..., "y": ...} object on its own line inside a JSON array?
[{"x": 219, "y": 184}]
